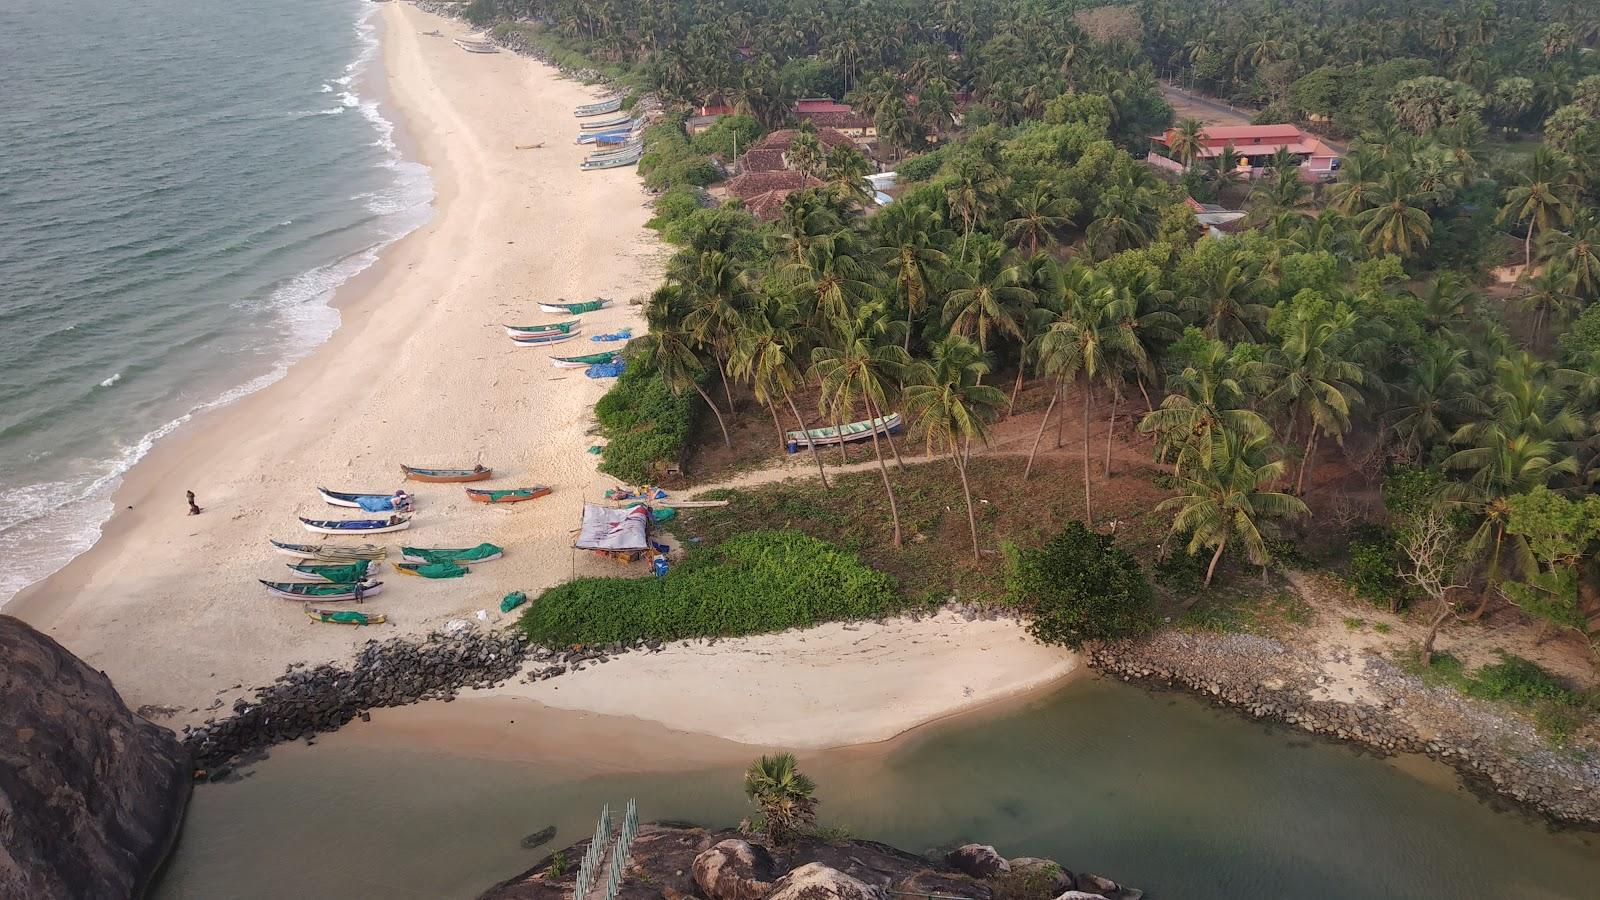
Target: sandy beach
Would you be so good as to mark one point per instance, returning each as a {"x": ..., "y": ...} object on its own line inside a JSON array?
[{"x": 420, "y": 372}]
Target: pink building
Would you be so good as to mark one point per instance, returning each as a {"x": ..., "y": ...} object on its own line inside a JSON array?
[{"x": 1255, "y": 144}]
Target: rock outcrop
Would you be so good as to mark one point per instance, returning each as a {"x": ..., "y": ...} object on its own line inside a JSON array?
[
  {"x": 91, "y": 795},
  {"x": 978, "y": 860},
  {"x": 680, "y": 862}
]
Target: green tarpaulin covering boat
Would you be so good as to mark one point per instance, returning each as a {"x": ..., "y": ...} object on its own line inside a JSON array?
[
  {"x": 572, "y": 308},
  {"x": 481, "y": 553},
  {"x": 432, "y": 570},
  {"x": 581, "y": 362},
  {"x": 345, "y": 616},
  {"x": 346, "y": 574}
]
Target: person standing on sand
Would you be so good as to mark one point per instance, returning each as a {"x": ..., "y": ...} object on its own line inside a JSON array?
[{"x": 193, "y": 509}]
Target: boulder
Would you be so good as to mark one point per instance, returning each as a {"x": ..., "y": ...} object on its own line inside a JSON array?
[
  {"x": 1099, "y": 884},
  {"x": 927, "y": 882},
  {"x": 1081, "y": 895},
  {"x": 815, "y": 881},
  {"x": 91, "y": 795},
  {"x": 1029, "y": 865},
  {"x": 734, "y": 870},
  {"x": 978, "y": 860}
]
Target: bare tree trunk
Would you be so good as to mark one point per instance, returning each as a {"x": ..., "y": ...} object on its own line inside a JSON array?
[
  {"x": 722, "y": 372},
  {"x": 883, "y": 470},
  {"x": 1493, "y": 577},
  {"x": 1042, "y": 423},
  {"x": 892, "y": 448},
  {"x": 783, "y": 441},
  {"x": 1111, "y": 428},
  {"x": 1433, "y": 631},
  {"x": 1015, "y": 390},
  {"x": 972, "y": 520},
  {"x": 1215, "y": 557},
  {"x": 815, "y": 456},
  {"x": 715, "y": 412},
  {"x": 1088, "y": 509},
  {"x": 1300, "y": 479},
  {"x": 1148, "y": 406}
]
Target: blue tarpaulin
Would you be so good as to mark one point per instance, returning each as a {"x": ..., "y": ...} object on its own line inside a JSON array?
[{"x": 605, "y": 370}]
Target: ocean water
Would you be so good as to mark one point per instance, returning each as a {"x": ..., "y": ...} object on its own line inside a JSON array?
[{"x": 182, "y": 186}]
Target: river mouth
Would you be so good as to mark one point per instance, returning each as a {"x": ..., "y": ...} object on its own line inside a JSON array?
[{"x": 1157, "y": 790}]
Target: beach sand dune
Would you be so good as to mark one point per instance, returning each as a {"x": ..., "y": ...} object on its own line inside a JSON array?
[{"x": 420, "y": 372}]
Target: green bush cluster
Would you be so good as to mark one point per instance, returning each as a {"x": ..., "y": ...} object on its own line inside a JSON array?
[
  {"x": 920, "y": 168},
  {"x": 1557, "y": 710},
  {"x": 670, "y": 161},
  {"x": 728, "y": 135},
  {"x": 1079, "y": 586},
  {"x": 757, "y": 582},
  {"x": 678, "y": 203},
  {"x": 1373, "y": 570},
  {"x": 645, "y": 425}
]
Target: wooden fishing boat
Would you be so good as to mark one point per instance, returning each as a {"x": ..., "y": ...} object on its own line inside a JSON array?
[
  {"x": 328, "y": 593},
  {"x": 582, "y": 362},
  {"x": 481, "y": 553},
  {"x": 356, "y": 526},
  {"x": 446, "y": 476},
  {"x": 613, "y": 162},
  {"x": 476, "y": 46},
  {"x": 539, "y": 340},
  {"x": 610, "y": 151},
  {"x": 329, "y": 552},
  {"x": 599, "y": 108},
  {"x": 518, "y": 331},
  {"x": 326, "y": 573},
  {"x": 432, "y": 570},
  {"x": 615, "y": 136},
  {"x": 622, "y": 121},
  {"x": 345, "y": 616},
  {"x": 843, "y": 434},
  {"x": 561, "y": 306},
  {"x": 512, "y": 495},
  {"x": 353, "y": 499}
]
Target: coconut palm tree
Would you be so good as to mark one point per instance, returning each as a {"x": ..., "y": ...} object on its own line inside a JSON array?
[
  {"x": 863, "y": 365},
  {"x": 951, "y": 406},
  {"x": 784, "y": 796},
  {"x": 1187, "y": 140},
  {"x": 972, "y": 190},
  {"x": 1315, "y": 377},
  {"x": 1038, "y": 215},
  {"x": 1435, "y": 399},
  {"x": 715, "y": 291},
  {"x": 770, "y": 341},
  {"x": 670, "y": 351},
  {"x": 1549, "y": 299},
  {"x": 1222, "y": 499},
  {"x": 1209, "y": 395},
  {"x": 1226, "y": 302},
  {"x": 909, "y": 238},
  {"x": 1541, "y": 199},
  {"x": 1577, "y": 250},
  {"x": 989, "y": 297},
  {"x": 1396, "y": 223}
]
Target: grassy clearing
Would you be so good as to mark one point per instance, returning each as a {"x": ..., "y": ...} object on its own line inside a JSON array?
[
  {"x": 762, "y": 581},
  {"x": 1558, "y": 711},
  {"x": 1246, "y": 607}
]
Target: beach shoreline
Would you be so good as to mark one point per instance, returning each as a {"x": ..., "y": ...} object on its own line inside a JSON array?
[{"x": 419, "y": 372}]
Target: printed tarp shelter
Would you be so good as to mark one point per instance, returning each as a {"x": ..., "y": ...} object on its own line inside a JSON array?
[{"x": 613, "y": 530}]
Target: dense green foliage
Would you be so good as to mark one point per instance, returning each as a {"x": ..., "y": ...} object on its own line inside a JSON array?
[
  {"x": 1079, "y": 587},
  {"x": 749, "y": 584},
  {"x": 644, "y": 423},
  {"x": 1557, "y": 709}
]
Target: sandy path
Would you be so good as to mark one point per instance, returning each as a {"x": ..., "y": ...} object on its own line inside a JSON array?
[{"x": 420, "y": 372}]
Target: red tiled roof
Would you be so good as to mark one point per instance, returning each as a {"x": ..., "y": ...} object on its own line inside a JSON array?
[
  {"x": 763, "y": 160},
  {"x": 767, "y": 206},
  {"x": 848, "y": 118},
  {"x": 820, "y": 104},
  {"x": 783, "y": 137},
  {"x": 752, "y": 184}
]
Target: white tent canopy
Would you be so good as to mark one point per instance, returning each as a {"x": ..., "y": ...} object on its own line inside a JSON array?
[{"x": 605, "y": 528}]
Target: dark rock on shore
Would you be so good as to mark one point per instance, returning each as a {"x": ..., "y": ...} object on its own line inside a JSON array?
[
  {"x": 677, "y": 862},
  {"x": 91, "y": 796},
  {"x": 978, "y": 860},
  {"x": 539, "y": 838},
  {"x": 304, "y": 701}
]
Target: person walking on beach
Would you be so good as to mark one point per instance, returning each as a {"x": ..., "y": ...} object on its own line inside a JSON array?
[{"x": 193, "y": 509}]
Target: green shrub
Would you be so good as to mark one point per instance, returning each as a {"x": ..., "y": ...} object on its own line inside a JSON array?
[
  {"x": 729, "y": 133},
  {"x": 644, "y": 423},
  {"x": 1373, "y": 570},
  {"x": 920, "y": 168},
  {"x": 481, "y": 12},
  {"x": 1080, "y": 587},
  {"x": 756, "y": 582},
  {"x": 676, "y": 204},
  {"x": 1558, "y": 712}
]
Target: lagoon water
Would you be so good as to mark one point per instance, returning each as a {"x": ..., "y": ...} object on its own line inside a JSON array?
[
  {"x": 1158, "y": 790},
  {"x": 182, "y": 185}
]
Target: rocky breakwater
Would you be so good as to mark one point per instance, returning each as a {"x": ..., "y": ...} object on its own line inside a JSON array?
[
  {"x": 306, "y": 701},
  {"x": 1379, "y": 707},
  {"x": 91, "y": 795},
  {"x": 670, "y": 861}
]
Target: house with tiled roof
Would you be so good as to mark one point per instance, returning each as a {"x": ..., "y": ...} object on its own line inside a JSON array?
[
  {"x": 763, "y": 193},
  {"x": 1255, "y": 145},
  {"x": 825, "y": 112}
]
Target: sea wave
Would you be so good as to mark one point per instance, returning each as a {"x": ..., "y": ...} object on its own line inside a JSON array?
[{"x": 44, "y": 526}]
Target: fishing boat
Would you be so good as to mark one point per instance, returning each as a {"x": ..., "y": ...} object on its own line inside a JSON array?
[
  {"x": 843, "y": 434},
  {"x": 611, "y": 150},
  {"x": 615, "y": 136},
  {"x": 325, "y": 573},
  {"x": 329, "y": 552},
  {"x": 582, "y": 362},
  {"x": 356, "y": 526},
  {"x": 446, "y": 476},
  {"x": 599, "y": 108},
  {"x": 481, "y": 553},
  {"x": 375, "y": 501},
  {"x": 345, "y": 616},
  {"x": 444, "y": 569},
  {"x": 549, "y": 337},
  {"x": 624, "y": 121},
  {"x": 330, "y": 593},
  {"x": 511, "y": 495},
  {"x": 477, "y": 45},
  {"x": 575, "y": 308},
  {"x": 517, "y": 331},
  {"x": 613, "y": 162}
]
